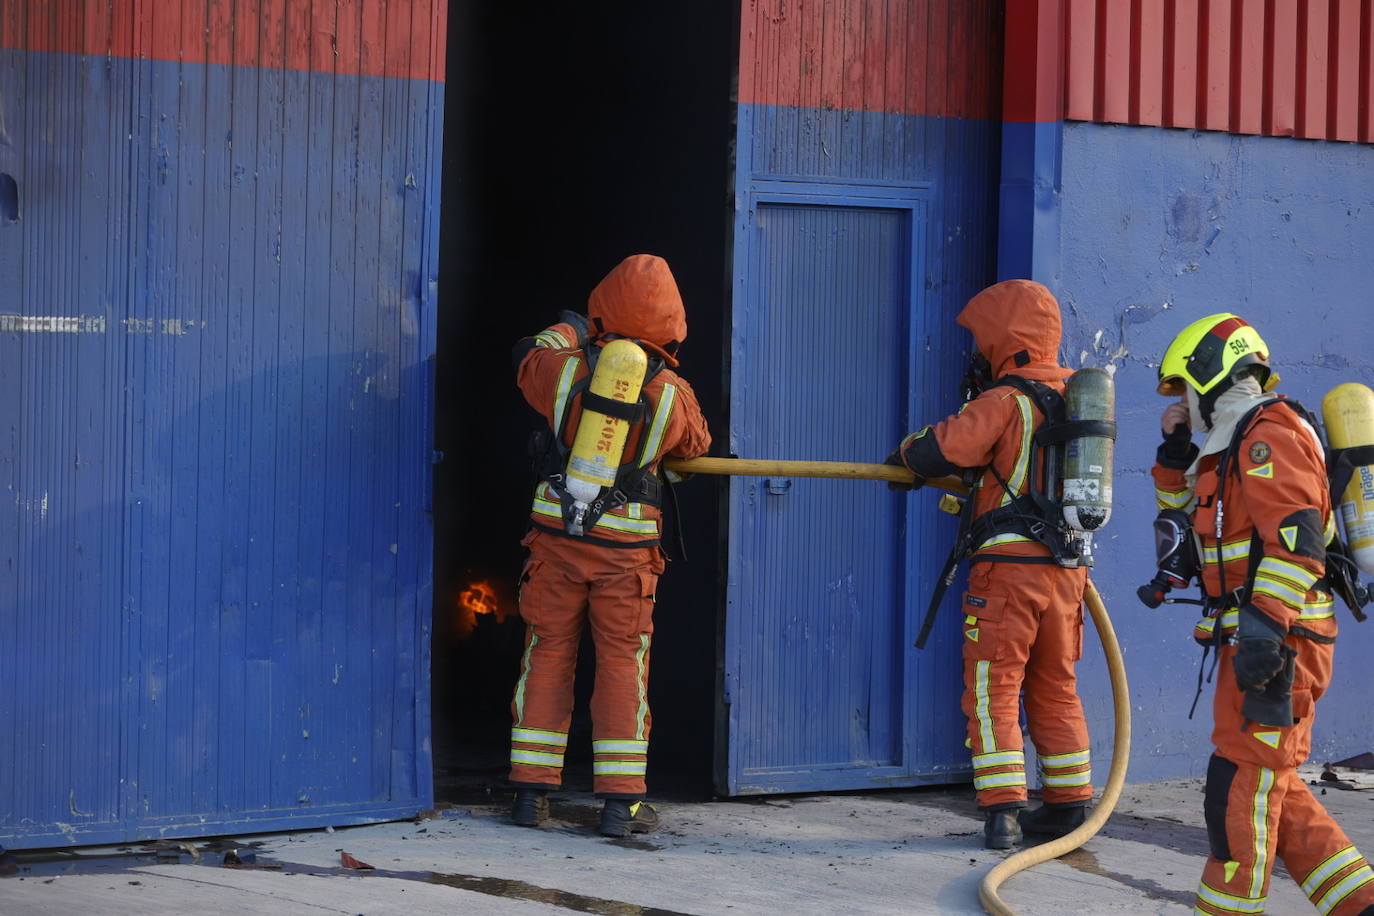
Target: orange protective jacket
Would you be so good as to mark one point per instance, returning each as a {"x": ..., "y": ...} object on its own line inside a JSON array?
[
  {"x": 1276, "y": 518},
  {"x": 637, "y": 299},
  {"x": 1016, "y": 325}
]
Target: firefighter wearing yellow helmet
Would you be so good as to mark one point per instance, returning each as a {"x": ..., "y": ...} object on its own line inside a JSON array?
[{"x": 1256, "y": 491}]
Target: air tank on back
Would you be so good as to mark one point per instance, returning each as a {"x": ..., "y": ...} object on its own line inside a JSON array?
[
  {"x": 1089, "y": 395},
  {"x": 1348, "y": 412},
  {"x": 600, "y": 441}
]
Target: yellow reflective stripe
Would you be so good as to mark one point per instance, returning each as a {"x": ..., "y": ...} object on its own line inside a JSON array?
[
  {"x": 1017, "y": 481},
  {"x": 1227, "y": 902},
  {"x": 998, "y": 759},
  {"x": 1335, "y": 863},
  {"x": 642, "y": 678},
  {"x": 1236, "y": 550},
  {"x": 1055, "y": 761},
  {"x": 1319, "y": 610},
  {"x": 1276, "y": 589},
  {"x": 1072, "y": 779},
  {"x": 552, "y": 339},
  {"x": 1207, "y": 623},
  {"x": 545, "y": 507},
  {"x": 1173, "y": 499},
  {"x": 535, "y": 736},
  {"x": 1003, "y": 539},
  {"x": 619, "y": 767},
  {"x": 1000, "y": 780},
  {"x": 1259, "y": 823},
  {"x": 1344, "y": 888},
  {"x": 980, "y": 706},
  {"x": 659, "y": 425},
  {"x": 535, "y": 758},
  {"x": 1290, "y": 572},
  {"x": 633, "y": 526},
  {"x": 560, "y": 395},
  {"x": 611, "y": 746},
  {"x": 524, "y": 676},
  {"x": 647, "y": 526}
]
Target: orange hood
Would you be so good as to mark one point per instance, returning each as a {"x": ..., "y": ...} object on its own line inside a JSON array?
[
  {"x": 639, "y": 299},
  {"x": 1015, "y": 324}
]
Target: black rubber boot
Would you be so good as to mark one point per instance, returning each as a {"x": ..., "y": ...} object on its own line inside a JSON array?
[
  {"x": 1054, "y": 820},
  {"x": 1001, "y": 830},
  {"x": 622, "y": 818},
  {"x": 530, "y": 808}
]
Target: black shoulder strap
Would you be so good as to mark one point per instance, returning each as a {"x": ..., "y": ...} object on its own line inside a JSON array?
[{"x": 1050, "y": 402}]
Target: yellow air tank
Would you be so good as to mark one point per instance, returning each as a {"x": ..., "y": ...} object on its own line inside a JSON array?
[
  {"x": 600, "y": 440},
  {"x": 1348, "y": 412}
]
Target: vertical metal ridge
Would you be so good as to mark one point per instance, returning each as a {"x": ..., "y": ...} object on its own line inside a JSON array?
[
  {"x": 1276, "y": 68},
  {"x": 235, "y": 460}
]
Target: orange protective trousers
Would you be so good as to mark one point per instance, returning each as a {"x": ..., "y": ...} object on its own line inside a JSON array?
[
  {"x": 568, "y": 584},
  {"x": 1023, "y": 630},
  {"x": 1258, "y": 807}
]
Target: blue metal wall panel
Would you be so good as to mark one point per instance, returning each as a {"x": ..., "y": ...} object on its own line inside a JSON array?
[
  {"x": 214, "y": 600},
  {"x": 850, "y": 265},
  {"x": 1160, "y": 228}
]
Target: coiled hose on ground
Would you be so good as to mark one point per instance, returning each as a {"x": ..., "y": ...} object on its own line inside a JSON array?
[{"x": 1116, "y": 667}]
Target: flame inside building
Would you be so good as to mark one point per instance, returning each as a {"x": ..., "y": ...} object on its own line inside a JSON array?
[{"x": 479, "y": 598}]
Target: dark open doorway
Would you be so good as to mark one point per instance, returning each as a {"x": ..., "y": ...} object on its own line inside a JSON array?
[{"x": 575, "y": 134}]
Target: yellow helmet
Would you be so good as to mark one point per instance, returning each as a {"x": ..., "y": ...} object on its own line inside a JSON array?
[{"x": 1207, "y": 353}]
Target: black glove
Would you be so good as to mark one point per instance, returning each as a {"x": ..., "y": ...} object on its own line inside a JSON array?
[
  {"x": 1177, "y": 450},
  {"x": 898, "y": 486},
  {"x": 578, "y": 322},
  {"x": 1259, "y": 641},
  {"x": 1273, "y": 703}
]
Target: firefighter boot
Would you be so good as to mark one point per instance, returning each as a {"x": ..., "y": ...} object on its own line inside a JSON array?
[
  {"x": 622, "y": 818},
  {"x": 1054, "y": 820},
  {"x": 530, "y": 808},
  {"x": 1001, "y": 829}
]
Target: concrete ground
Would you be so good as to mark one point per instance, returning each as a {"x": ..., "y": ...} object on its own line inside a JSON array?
[{"x": 916, "y": 851}]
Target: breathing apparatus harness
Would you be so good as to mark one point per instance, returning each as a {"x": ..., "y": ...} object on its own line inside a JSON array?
[
  {"x": 1179, "y": 562},
  {"x": 634, "y": 481},
  {"x": 1038, "y": 512}
]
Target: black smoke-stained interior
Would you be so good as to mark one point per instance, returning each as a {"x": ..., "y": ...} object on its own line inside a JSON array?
[{"x": 575, "y": 135}]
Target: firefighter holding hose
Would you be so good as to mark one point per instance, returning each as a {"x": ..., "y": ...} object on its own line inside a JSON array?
[
  {"x": 614, "y": 408},
  {"x": 1023, "y": 611}
]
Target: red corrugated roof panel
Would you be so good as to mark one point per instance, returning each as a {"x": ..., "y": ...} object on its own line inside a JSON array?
[{"x": 1279, "y": 67}]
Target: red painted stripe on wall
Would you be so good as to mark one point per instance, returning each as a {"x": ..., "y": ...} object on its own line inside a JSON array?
[
  {"x": 923, "y": 57},
  {"x": 1276, "y": 67},
  {"x": 393, "y": 38}
]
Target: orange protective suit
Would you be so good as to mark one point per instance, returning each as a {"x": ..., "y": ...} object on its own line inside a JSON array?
[
  {"x": 1023, "y": 624},
  {"x": 608, "y": 577},
  {"x": 1275, "y": 503}
]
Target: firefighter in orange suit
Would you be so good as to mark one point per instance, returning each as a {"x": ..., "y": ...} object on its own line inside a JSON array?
[
  {"x": 1023, "y": 623},
  {"x": 1258, "y": 496},
  {"x": 607, "y": 576}
]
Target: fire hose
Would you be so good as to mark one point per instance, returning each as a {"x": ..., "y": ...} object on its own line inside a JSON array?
[{"x": 1116, "y": 667}]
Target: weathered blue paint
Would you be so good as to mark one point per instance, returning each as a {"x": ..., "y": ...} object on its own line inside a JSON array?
[
  {"x": 1160, "y": 227},
  {"x": 858, "y": 237},
  {"x": 215, "y": 587}
]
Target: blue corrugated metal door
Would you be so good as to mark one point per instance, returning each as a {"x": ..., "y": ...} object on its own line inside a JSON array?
[
  {"x": 823, "y": 687},
  {"x": 216, "y": 341}
]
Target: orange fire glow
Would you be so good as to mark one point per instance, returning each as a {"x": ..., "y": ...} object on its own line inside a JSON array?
[{"x": 478, "y": 599}]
